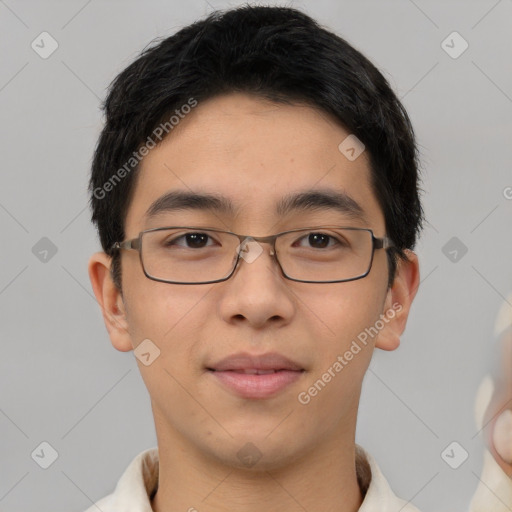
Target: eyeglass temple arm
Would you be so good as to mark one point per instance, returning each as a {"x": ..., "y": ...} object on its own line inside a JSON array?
[
  {"x": 134, "y": 243},
  {"x": 382, "y": 243}
]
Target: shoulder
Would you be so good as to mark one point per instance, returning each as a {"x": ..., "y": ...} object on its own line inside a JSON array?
[
  {"x": 134, "y": 488},
  {"x": 379, "y": 496}
]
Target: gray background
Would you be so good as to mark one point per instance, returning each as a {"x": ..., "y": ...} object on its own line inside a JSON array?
[{"x": 60, "y": 379}]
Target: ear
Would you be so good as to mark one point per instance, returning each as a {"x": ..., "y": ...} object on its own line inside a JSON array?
[
  {"x": 111, "y": 302},
  {"x": 398, "y": 302}
]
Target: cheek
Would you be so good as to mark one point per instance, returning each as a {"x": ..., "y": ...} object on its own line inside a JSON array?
[
  {"x": 342, "y": 311},
  {"x": 173, "y": 320},
  {"x": 345, "y": 321},
  {"x": 343, "y": 348},
  {"x": 162, "y": 311}
]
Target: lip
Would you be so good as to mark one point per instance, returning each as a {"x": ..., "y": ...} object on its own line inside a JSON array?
[
  {"x": 231, "y": 374},
  {"x": 244, "y": 361}
]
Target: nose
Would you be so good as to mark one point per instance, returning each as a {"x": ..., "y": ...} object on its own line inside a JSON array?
[{"x": 256, "y": 294}]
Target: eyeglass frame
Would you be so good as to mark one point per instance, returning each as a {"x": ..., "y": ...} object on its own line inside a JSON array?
[{"x": 136, "y": 244}]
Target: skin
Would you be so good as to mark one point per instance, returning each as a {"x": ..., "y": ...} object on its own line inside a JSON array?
[
  {"x": 501, "y": 401},
  {"x": 253, "y": 152}
]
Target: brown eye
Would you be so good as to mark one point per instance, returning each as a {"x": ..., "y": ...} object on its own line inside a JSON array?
[{"x": 189, "y": 240}]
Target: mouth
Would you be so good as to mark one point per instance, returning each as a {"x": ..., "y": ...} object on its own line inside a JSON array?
[
  {"x": 253, "y": 371},
  {"x": 256, "y": 377},
  {"x": 250, "y": 363},
  {"x": 256, "y": 384}
]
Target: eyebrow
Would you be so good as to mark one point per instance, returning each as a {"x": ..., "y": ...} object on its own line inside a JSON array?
[
  {"x": 177, "y": 200},
  {"x": 311, "y": 200},
  {"x": 320, "y": 199}
]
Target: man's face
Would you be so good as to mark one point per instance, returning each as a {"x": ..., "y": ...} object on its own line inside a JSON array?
[{"x": 253, "y": 153}]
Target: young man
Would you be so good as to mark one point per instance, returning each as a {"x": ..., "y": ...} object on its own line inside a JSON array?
[{"x": 255, "y": 190}]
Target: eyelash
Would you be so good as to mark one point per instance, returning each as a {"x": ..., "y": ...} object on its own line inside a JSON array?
[{"x": 331, "y": 238}]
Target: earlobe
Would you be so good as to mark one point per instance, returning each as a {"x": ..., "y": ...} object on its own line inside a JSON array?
[
  {"x": 110, "y": 301},
  {"x": 398, "y": 302}
]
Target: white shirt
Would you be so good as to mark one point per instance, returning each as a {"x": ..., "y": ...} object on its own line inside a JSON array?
[{"x": 136, "y": 486}]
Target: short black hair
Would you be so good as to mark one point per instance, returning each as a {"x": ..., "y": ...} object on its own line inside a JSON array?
[{"x": 275, "y": 53}]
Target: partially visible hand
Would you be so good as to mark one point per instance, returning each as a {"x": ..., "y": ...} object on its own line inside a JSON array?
[
  {"x": 493, "y": 410},
  {"x": 497, "y": 419}
]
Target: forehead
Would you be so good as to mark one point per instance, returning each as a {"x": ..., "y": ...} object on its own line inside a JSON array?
[{"x": 258, "y": 155}]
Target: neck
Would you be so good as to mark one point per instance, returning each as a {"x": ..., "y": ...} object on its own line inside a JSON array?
[{"x": 324, "y": 479}]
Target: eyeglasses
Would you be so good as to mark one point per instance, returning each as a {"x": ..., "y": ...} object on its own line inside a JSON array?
[{"x": 193, "y": 255}]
